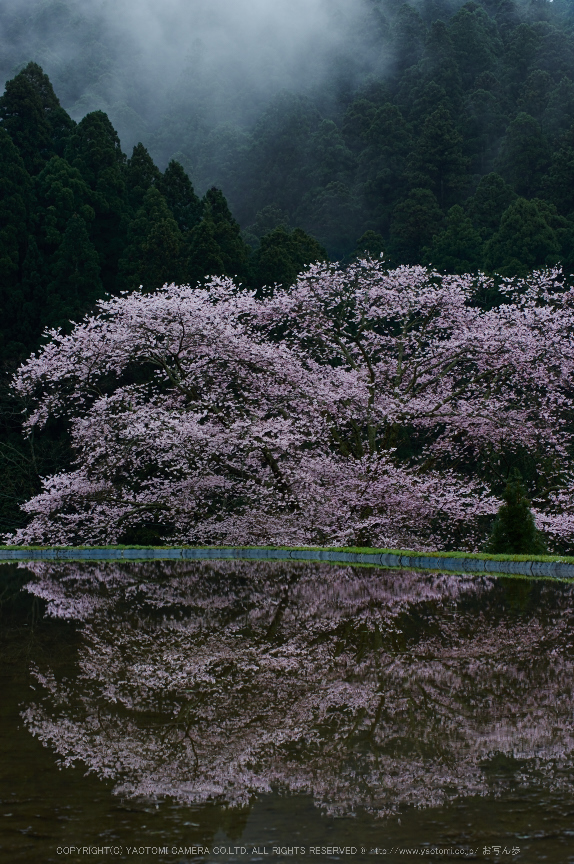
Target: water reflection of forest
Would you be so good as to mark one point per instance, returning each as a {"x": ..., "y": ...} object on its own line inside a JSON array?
[{"x": 364, "y": 688}]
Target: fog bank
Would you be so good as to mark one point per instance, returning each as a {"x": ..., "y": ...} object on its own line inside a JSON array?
[{"x": 216, "y": 60}]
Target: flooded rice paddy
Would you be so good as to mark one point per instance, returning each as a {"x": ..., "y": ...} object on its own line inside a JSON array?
[{"x": 242, "y": 711}]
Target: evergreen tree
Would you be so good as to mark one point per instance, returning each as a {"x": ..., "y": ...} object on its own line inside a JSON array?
[
  {"x": 524, "y": 155},
  {"x": 388, "y": 134},
  {"x": 492, "y": 198},
  {"x": 15, "y": 188},
  {"x": 458, "y": 248},
  {"x": 332, "y": 215},
  {"x": 535, "y": 94},
  {"x": 15, "y": 204},
  {"x": 276, "y": 162},
  {"x": 60, "y": 192},
  {"x": 282, "y": 255},
  {"x": 94, "y": 149},
  {"x": 388, "y": 141},
  {"x": 357, "y": 121},
  {"x": 329, "y": 158},
  {"x": 76, "y": 281},
  {"x": 484, "y": 121},
  {"x": 370, "y": 245},
  {"x": 176, "y": 188},
  {"x": 557, "y": 185},
  {"x": 31, "y": 301},
  {"x": 205, "y": 255},
  {"x": 409, "y": 34},
  {"x": 520, "y": 55},
  {"x": 155, "y": 247},
  {"x": 439, "y": 63},
  {"x": 141, "y": 174},
  {"x": 216, "y": 245},
  {"x": 514, "y": 531},
  {"x": 477, "y": 46},
  {"x": 266, "y": 220},
  {"x": 563, "y": 230},
  {"x": 523, "y": 242},
  {"x": 31, "y": 114},
  {"x": 559, "y": 110},
  {"x": 437, "y": 161},
  {"x": 415, "y": 221},
  {"x": 420, "y": 98}
]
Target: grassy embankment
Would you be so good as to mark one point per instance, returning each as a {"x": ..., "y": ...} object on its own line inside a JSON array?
[{"x": 563, "y": 559}]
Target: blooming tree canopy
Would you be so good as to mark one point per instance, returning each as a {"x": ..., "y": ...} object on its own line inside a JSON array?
[{"x": 219, "y": 417}]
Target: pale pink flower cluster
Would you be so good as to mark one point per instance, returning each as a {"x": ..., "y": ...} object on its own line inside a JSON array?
[{"x": 281, "y": 420}]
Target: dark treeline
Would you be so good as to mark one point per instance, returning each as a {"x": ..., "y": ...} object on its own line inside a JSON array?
[
  {"x": 78, "y": 220},
  {"x": 462, "y": 156},
  {"x": 443, "y": 135}
]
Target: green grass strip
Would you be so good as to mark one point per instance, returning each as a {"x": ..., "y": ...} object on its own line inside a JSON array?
[{"x": 362, "y": 550}]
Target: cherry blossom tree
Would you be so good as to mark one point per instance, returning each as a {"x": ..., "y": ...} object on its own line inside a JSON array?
[
  {"x": 365, "y": 689},
  {"x": 220, "y": 418}
]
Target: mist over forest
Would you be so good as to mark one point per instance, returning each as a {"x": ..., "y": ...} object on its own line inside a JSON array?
[
  {"x": 320, "y": 112},
  {"x": 145, "y": 143},
  {"x": 179, "y": 75}
]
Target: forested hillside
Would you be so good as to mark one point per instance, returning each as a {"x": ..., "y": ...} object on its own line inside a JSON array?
[
  {"x": 433, "y": 132},
  {"x": 387, "y": 118},
  {"x": 80, "y": 219}
]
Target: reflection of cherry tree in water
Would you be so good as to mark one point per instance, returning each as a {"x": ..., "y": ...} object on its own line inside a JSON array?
[{"x": 367, "y": 689}]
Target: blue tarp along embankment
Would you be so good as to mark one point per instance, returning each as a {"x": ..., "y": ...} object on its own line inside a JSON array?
[{"x": 406, "y": 561}]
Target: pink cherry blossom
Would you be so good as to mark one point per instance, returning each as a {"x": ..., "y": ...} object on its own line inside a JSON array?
[{"x": 222, "y": 418}]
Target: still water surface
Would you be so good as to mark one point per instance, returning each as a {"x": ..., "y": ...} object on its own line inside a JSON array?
[{"x": 240, "y": 711}]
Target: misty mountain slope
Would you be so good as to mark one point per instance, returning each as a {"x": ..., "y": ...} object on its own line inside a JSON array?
[
  {"x": 79, "y": 220},
  {"x": 216, "y": 59},
  {"x": 143, "y": 143},
  {"x": 342, "y": 116}
]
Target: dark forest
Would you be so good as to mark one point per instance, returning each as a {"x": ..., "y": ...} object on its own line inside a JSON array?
[{"x": 434, "y": 133}]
